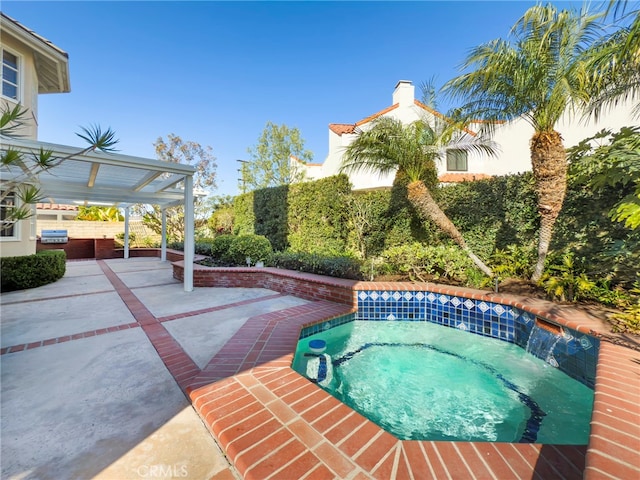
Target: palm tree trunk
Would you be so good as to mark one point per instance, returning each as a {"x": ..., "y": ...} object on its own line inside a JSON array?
[
  {"x": 549, "y": 164},
  {"x": 423, "y": 202}
]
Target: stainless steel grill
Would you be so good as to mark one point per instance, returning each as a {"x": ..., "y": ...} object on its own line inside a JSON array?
[{"x": 54, "y": 236}]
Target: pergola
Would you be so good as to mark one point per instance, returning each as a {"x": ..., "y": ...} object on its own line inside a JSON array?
[{"x": 97, "y": 178}]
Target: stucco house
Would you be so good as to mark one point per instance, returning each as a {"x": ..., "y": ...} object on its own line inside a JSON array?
[
  {"x": 512, "y": 141},
  {"x": 31, "y": 65}
]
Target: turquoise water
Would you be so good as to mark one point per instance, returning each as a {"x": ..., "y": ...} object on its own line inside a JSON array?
[{"x": 422, "y": 381}]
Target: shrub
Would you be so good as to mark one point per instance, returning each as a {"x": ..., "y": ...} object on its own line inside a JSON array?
[
  {"x": 32, "y": 271},
  {"x": 332, "y": 266},
  {"x": 423, "y": 262},
  {"x": 256, "y": 247},
  {"x": 514, "y": 261},
  {"x": 220, "y": 247},
  {"x": 564, "y": 281}
]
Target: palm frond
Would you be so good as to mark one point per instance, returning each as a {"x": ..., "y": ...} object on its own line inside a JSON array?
[
  {"x": 12, "y": 120},
  {"x": 99, "y": 140}
]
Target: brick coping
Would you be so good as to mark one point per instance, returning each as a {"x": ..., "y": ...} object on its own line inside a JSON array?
[{"x": 272, "y": 422}]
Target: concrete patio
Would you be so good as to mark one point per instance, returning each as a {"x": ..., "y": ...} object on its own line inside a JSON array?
[{"x": 84, "y": 392}]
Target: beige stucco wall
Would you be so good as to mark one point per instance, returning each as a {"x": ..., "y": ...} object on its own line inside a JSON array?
[
  {"x": 28, "y": 85},
  {"x": 87, "y": 229},
  {"x": 23, "y": 244}
]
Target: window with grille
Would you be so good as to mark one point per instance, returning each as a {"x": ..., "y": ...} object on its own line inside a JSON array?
[{"x": 10, "y": 75}]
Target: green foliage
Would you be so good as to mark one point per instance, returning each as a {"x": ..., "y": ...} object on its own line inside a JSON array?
[
  {"x": 317, "y": 218},
  {"x": 99, "y": 214},
  {"x": 271, "y": 210},
  {"x": 429, "y": 262},
  {"x": 256, "y": 247},
  {"x": 244, "y": 215},
  {"x": 629, "y": 317},
  {"x": 222, "y": 217},
  {"x": 32, "y": 271},
  {"x": 514, "y": 261},
  {"x": 504, "y": 211},
  {"x": 612, "y": 164},
  {"x": 332, "y": 266},
  {"x": 220, "y": 247},
  {"x": 270, "y": 164},
  {"x": 564, "y": 281},
  {"x": 308, "y": 216}
]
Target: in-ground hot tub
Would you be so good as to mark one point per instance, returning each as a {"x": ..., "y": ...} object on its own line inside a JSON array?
[{"x": 527, "y": 380}]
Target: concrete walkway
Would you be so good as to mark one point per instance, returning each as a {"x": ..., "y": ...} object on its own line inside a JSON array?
[{"x": 94, "y": 367}]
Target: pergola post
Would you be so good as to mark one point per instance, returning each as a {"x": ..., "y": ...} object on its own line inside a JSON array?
[
  {"x": 189, "y": 233},
  {"x": 163, "y": 241},
  {"x": 126, "y": 232}
]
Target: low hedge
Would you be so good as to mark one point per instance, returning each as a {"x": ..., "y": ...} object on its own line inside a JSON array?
[
  {"x": 30, "y": 271},
  {"x": 341, "y": 267}
]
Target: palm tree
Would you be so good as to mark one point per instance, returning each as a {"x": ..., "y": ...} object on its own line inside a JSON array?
[
  {"x": 613, "y": 64},
  {"x": 411, "y": 151},
  {"x": 538, "y": 76}
]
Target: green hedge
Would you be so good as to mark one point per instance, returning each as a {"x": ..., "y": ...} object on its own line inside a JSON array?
[
  {"x": 30, "y": 271},
  {"x": 496, "y": 216},
  {"x": 306, "y": 217},
  {"x": 341, "y": 267}
]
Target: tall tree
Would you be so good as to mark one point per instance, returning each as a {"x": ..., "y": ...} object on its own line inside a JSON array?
[
  {"x": 411, "y": 151},
  {"x": 270, "y": 164},
  {"x": 537, "y": 75},
  {"x": 176, "y": 150}
]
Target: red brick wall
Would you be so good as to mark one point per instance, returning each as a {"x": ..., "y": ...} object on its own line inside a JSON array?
[
  {"x": 101, "y": 248},
  {"x": 75, "y": 248},
  {"x": 303, "y": 285}
]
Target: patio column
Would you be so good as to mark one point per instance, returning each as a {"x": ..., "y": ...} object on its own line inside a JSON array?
[
  {"x": 126, "y": 232},
  {"x": 189, "y": 243},
  {"x": 163, "y": 241}
]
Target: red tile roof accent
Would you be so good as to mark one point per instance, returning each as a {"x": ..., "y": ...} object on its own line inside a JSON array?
[
  {"x": 341, "y": 128},
  {"x": 55, "y": 206},
  {"x": 376, "y": 115},
  {"x": 462, "y": 177},
  {"x": 440, "y": 115}
]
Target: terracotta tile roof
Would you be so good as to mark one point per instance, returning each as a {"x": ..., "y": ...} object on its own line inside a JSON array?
[
  {"x": 376, "y": 115},
  {"x": 293, "y": 157},
  {"x": 462, "y": 177},
  {"x": 341, "y": 128},
  {"x": 55, "y": 206},
  {"x": 440, "y": 115}
]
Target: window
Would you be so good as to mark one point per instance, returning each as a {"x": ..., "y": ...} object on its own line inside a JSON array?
[
  {"x": 10, "y": 75},
  {"x": 456, "y": 161},
  {"x": 7, "y": 230}
]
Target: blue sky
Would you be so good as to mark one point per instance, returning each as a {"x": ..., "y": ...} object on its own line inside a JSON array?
[{"x": 217, "y": 72}]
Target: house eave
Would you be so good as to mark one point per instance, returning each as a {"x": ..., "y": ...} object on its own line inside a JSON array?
[{"x": 51, "y": 62}]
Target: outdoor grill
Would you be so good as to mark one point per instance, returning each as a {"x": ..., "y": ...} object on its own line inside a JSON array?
[{"x": 54, "y": 236}]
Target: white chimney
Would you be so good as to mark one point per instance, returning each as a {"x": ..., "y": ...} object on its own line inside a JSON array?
[{"x": 404, "y": 94}]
